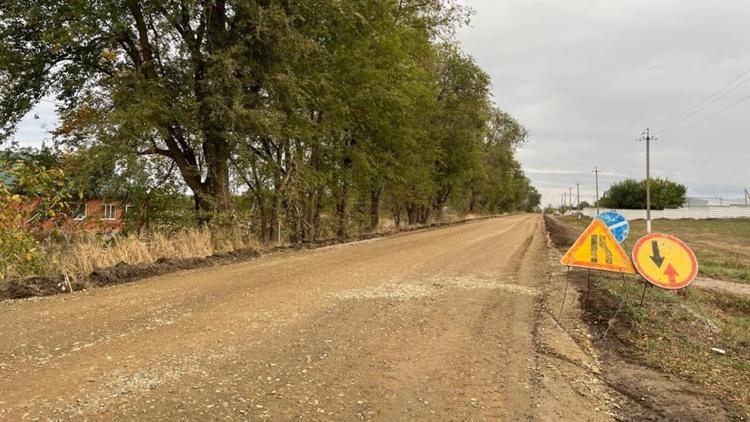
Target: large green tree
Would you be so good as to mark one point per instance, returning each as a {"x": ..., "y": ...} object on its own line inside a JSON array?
[
  {"x": 631, "y": 194},
  {"x": 184, "y": 79}
]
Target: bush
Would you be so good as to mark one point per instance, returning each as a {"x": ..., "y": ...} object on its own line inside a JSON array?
[{"x": 38, "y": 197}]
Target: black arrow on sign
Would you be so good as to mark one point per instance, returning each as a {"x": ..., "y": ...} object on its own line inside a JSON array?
[{"x": 656, "y": 255}]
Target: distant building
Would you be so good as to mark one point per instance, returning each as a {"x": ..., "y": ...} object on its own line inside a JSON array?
[
  {"x": 97, "y": 215},
  {"x": 92, "y": 215},
  {"x": 695, "y": 202},
  {"x": 714, "y": 202}
]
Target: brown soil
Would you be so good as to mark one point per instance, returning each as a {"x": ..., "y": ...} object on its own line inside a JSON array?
[
  {"x": 448, "y": 324},
  {"x": 562, "y": 235},
  {"x": 646, "y": 394}
]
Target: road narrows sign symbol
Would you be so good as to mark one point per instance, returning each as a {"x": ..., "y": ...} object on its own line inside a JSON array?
[
  {"x": 616, "y": 223},
  {"x": 597, "y": 249},
  {"x": 665, "y": 261}
]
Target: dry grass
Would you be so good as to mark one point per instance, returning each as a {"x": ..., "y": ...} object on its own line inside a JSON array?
[{"x": 80, "y": 255}]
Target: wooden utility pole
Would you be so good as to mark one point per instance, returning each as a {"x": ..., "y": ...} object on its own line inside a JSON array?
[
  {"x": 578, "y": 199},
  {"x": 596, "y": 173},
  {"x": 648, "y": 138}
]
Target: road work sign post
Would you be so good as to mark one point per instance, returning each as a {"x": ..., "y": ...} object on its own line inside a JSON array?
[
  {"x": 665, "y": 261},
  {"x": 598, "y": 249}
]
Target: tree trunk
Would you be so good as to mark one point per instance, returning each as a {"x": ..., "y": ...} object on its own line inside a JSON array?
[
  {"x": 274, "y": 226},
  {"x": 375, "y": 208},
  {"x": 425, "y": 212},
  {"x": 396, "y": 215},
  {"x": 343, "y": 205},
  {"x": 440, "y": 200},
  {"x": 263, "y": 217},
  {"x": 217, "y": 180},
  {"x": 411, "y": 213},
  {"x": 342, "y": 209},
  {"x": 312, "y": 215}
]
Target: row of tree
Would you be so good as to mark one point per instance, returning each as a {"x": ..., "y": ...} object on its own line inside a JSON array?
[{"x": 326, "y": 114}]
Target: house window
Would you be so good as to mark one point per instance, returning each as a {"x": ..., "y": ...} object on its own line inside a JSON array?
[
  {"x": 79, "y": 213},
  {"x": 108, "y": 211}
]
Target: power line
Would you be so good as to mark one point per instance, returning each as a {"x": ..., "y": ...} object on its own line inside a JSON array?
[
  {"x": 626, "y": 159},
  {"x": 661, "y": 124},
  {"x": 703, "y": 108},
  {"x": 741, "y": 100},
  {"x": 629, "y": 148}
]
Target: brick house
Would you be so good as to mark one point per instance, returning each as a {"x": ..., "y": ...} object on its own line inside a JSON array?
[
  {"x": 99, "y": 215},
  {"x": 94, "y": 215}
]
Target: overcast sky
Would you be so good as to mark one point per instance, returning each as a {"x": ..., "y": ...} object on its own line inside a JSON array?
[{"x": 587, "y": 77}]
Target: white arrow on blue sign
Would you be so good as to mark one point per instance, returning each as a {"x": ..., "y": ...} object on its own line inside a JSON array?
[{"x": 617, "y": 224}]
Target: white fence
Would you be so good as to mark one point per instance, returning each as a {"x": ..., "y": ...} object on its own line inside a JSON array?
[{"x": 698, "y": 213}]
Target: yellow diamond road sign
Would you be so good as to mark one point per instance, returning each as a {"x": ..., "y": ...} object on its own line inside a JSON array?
[
  {"x": 597, "y": 249},
  {"x": 665, "y": 261}
]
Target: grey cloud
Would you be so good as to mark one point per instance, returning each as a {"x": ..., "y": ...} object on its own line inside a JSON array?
[{"x": 586, "y": 77}]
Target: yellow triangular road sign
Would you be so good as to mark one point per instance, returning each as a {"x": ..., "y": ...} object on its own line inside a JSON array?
[{"x": 597, "y": 249}]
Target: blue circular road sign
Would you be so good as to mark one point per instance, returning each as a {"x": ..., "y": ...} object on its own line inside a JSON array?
[{"x": 617, "y": 224}]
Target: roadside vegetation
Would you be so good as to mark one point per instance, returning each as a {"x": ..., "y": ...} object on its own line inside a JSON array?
[
  {"x": 269, "y": 122},
  {"x": 675, "y": 332}
]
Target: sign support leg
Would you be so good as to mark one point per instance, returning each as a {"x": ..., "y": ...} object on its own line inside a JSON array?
[
  {"x": 588, "y": 285},
  {"x": 623, "y": 302},
  {"x": 643, "y": 294},
  {"x": 707, "y": 321}
]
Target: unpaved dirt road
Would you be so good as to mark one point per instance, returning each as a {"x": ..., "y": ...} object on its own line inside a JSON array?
[{"x": 434, "y": 325}]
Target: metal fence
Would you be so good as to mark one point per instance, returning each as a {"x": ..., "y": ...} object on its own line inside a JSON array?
[{"x": 697, "y": 213}]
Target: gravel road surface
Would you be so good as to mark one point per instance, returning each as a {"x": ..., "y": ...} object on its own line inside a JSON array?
[{"x": 442, "y": 324}]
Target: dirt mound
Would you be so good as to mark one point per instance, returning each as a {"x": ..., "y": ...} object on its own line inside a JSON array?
[
  {"x": 118, "y": 274},
  {"x": 124, "y": 272},
  {"x": 563, "y": 235},
  {"x": 35, "y": 286}
]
